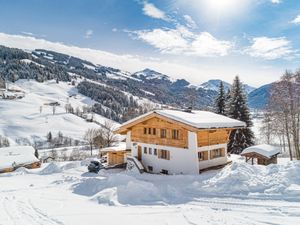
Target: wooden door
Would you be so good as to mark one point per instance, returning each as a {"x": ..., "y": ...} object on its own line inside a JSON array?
[{"x": 139, "y": 153}]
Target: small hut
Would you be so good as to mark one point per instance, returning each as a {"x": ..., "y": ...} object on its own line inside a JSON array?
[
  {"x": 116, "y": 155},
  {"x": 12, "y": 158},
  {"x": 263, "y": 154}
]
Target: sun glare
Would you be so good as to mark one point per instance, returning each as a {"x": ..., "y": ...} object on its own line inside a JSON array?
[{"x": 220, "y": 8}]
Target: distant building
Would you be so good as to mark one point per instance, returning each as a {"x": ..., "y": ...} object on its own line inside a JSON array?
[
  {"x": 179, "y": 142},
  {"x": 12, "y": 158}
]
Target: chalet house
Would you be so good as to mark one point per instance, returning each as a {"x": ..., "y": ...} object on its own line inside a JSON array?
[{"x": 179, "y": 142}]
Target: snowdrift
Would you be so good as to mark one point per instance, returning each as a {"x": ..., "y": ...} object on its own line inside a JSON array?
[{"x": 237, "y": 180}]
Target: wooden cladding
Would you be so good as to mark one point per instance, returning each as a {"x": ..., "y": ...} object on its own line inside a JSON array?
[
  {"x": 212, "y": 137},
  {"x": 160, "y": 132}
]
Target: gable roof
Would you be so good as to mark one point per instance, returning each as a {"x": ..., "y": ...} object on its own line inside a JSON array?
[
  {"x": 264, "y": 150},
  {"x": 194, "y": 119}
]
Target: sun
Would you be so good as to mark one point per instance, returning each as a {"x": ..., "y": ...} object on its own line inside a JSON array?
[
  {"x": 219, "y": 8},
  {"x": 224, "y": 6}
]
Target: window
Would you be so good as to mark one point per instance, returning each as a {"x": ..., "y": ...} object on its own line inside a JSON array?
[
  {"x": 154, "y": 131},
  {"x": 145, "y": 150},
  {"x": 150, "y": 168},
  {"x": 150, "y": 151},
  {"x": 164, "y": 154},
  {"x": 216, "y": 153},
  {"x": 149, "y": 130},
  {"x": 145, "y": 130},
  {"x": 155, "y": 151},
  {"x": 175, "y": 134},
  {"x": 164, "y": 171},
  {"x": 202, "y": 156},
  {"x": 163, "y": 133}
]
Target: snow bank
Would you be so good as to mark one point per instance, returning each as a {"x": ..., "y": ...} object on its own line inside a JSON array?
[
  {"x": 50, "y": 169},
  {"x": 236, "y": 180},
  {"x": 54, "y": 167}
]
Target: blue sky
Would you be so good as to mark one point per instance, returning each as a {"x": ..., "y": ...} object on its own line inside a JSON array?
[{"x": 192, "y": 39}]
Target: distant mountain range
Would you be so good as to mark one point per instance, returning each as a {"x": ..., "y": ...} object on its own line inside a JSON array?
[
  {"x": 148, "y": 84},
  {"x": 215, "y": 84}
]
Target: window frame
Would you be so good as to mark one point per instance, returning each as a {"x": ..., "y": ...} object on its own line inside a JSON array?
[
  {"x": 163, "y": 133},
  {"x": 175, "y": 134}
]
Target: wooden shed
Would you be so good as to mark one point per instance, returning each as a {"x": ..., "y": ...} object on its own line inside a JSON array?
[
  {"x": 12, "y": 158},
  {"x": 116, "y": 155},
  {"x": 262, "y": 154}
]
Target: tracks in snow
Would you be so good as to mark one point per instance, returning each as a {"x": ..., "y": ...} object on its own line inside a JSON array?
[{"x": 23, "y": 212}]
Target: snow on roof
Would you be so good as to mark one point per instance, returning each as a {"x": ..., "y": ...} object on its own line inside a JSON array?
[
  {"x": 197, "y": 119},
  {"x": 265, "y": 150},
  {"x": 18, "y": 155},
  {"x": 121, "y": 146}
]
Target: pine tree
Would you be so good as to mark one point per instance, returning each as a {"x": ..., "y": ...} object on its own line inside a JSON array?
[
  {"x": 36, "y": 153},
  {"x": 237, "y": 108},
  {"x": 49, "y": 137},
  {"x": 220, "y": 101}
]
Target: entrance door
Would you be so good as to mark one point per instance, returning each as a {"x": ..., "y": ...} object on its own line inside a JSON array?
[{"x": 139, "y": 153}]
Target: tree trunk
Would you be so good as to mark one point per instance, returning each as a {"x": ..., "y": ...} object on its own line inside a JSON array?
[{"x": 288, "y": 137}]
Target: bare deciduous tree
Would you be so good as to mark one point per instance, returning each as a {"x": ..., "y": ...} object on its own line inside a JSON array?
[
  {"x": 285, "y": 104},
  {"x": 90, "y": 136}
]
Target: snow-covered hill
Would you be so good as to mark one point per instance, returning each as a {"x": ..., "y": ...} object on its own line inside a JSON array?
[
  {"x": 21, "y": 118},
  {"x": 149, "y": 74}
]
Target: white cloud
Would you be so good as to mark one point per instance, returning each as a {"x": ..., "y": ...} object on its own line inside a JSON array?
[
  {"x": 190, "y": 22},
  {"x": 88, "y": 33},
  {"x": 114, "y": 30},
  {"x": 271, "y": 48},
  {"x": 276, "y": 1},
  {"x": 296, "y": 20},
  {"x": 151, "y": 10},
  {"x": 182, "y": 41}
]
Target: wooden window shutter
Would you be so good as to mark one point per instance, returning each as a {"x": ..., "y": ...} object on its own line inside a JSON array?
[
  {"x": 159, "y": 153},
  {"x": 168, "y": 155}
]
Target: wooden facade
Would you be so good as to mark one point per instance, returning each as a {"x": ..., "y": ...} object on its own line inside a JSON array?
[
  {"x": 160, "y": 132},
  {"x": 213, "y": 137},
  {"x": 27, "y": 166},
  {"x": 116, "y": 158}
]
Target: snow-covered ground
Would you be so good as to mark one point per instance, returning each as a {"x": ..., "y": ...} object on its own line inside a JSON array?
[
  {"x": 21, "y": 118},
  {"x": 64, "y": 193}
]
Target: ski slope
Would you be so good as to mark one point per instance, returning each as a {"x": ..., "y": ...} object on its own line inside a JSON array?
[
  {"x": 64, "y": 193},
  {"x": 21, "y": 118}
]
